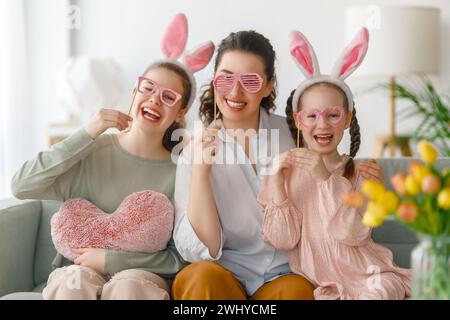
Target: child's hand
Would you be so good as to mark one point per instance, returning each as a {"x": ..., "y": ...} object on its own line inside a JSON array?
[
  {"x": 279, "y": 164},
  {"x": 104, "y": 119},
  {"x": 93, "y": 258},
  {"x": 310, "y": 161},
  {"x": 370, "y": 169}
]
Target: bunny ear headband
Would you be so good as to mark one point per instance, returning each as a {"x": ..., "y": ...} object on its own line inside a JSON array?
[
  {"x": 348, "y": 62},
  {"x": 173, "y": 46}
]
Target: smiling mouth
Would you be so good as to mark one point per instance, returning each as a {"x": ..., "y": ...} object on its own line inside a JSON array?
[
  {"x": 151, "y": 114},
  {"x": 235, "y": 105},
  {"x": 323, "y": 139}
]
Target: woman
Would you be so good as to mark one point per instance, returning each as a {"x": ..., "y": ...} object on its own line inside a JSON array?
[{"x": 218, "y": 218}]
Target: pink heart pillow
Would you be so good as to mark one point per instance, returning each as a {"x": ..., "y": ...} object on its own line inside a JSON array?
[{"x": 143, "y": 223}]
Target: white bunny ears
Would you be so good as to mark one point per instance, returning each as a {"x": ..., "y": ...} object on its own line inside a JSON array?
[
  {"x": 173, "y": 46},
  {"x": 305, "y": 58}
]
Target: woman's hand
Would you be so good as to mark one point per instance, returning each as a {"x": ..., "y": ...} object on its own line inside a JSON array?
[
  {"x": 311, "y": 161},
  {"x": 201, "y": 209},
  {"x": 93, "y": 258},
  {"x": 204, "y": 149},
  {"x": 370, "y": 169},
  {"x": 104, "y": 119}
]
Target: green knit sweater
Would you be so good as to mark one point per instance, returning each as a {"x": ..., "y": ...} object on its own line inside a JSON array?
[{"x": 104, "y": 173}]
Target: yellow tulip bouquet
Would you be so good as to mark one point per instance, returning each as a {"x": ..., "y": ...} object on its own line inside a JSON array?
[{"x": 420, "y": 200}]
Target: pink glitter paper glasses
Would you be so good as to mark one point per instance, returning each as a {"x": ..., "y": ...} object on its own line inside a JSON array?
[
  {"x": 250, "y": 82},
  {"x": 167, "y": 96},
  {"x": 331, "y": 115}
]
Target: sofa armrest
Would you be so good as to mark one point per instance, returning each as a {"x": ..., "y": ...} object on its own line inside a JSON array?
[{"x": 19, "y": 224}]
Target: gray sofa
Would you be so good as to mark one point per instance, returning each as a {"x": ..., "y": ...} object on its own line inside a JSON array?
[{"x": 26, "y": 248}]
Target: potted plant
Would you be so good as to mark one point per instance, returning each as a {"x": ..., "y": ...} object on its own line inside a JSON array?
[{"x": 430, "y": 107}]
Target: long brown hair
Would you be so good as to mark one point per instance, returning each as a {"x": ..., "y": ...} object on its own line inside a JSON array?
[
  {"x": 167, "y": 140},
  {"x": 355, "y": 135},
  {"x": 246, "y": 41}
]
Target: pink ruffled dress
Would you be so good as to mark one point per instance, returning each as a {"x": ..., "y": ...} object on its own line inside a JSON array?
[{"x": 327, "y": 242}]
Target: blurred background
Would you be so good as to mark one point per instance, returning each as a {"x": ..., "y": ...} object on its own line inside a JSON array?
[{"x": 62, "y": 59}]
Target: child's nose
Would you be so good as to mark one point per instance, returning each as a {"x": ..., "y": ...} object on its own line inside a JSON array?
[
  {"x": 322, "y": 122},
  {"x": 154, "y": 97}
]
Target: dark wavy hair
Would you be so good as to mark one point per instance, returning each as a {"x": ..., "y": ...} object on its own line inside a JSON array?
[
  {"x": 167, "y": 140},
  {"x": 355, "y": 135},
  {"x": 245, "y": 41}
]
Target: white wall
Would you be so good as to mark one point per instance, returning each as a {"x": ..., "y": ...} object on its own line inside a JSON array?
[
  {"x": 47, "y": 50},
  {"x": 130, "y": 32}
]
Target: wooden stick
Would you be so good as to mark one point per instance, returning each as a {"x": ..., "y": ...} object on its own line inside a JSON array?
[
  {"x": 215, "y": 114},
  {"x": 392, "y": 142},
  {"x": 132, "y": 102}
]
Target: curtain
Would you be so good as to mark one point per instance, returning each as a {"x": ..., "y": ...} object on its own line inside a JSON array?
[{"x": 15, "y": 106}]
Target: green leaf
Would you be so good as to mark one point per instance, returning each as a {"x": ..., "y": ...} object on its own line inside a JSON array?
[{"x": 429, "y": 106}]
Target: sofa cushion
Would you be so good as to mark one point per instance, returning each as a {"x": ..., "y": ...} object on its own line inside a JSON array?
[
  {"x": 143, "y": 222},
  {"x": 40, "y": 287},
  {"x": 23, "y": 296},
  {"x": 19, "y": 223},
  {"x": 36, "y": 294},
  {"x": 398, "y": 238},
  {"x": 45, "y": 250}
]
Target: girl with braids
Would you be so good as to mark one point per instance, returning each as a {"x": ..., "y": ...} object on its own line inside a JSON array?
[{"x": 326, "y": 241}]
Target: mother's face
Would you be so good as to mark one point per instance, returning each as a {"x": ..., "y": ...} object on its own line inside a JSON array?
[{"x": 240, "y": 105}]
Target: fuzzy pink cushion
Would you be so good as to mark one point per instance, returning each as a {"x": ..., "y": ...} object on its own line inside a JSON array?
[{"x": 143, "y": 223}]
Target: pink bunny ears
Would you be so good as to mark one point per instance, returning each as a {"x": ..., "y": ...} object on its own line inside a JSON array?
[
  {"x": 305, "y": 58},
  {"x": 173, "y": 46}
]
